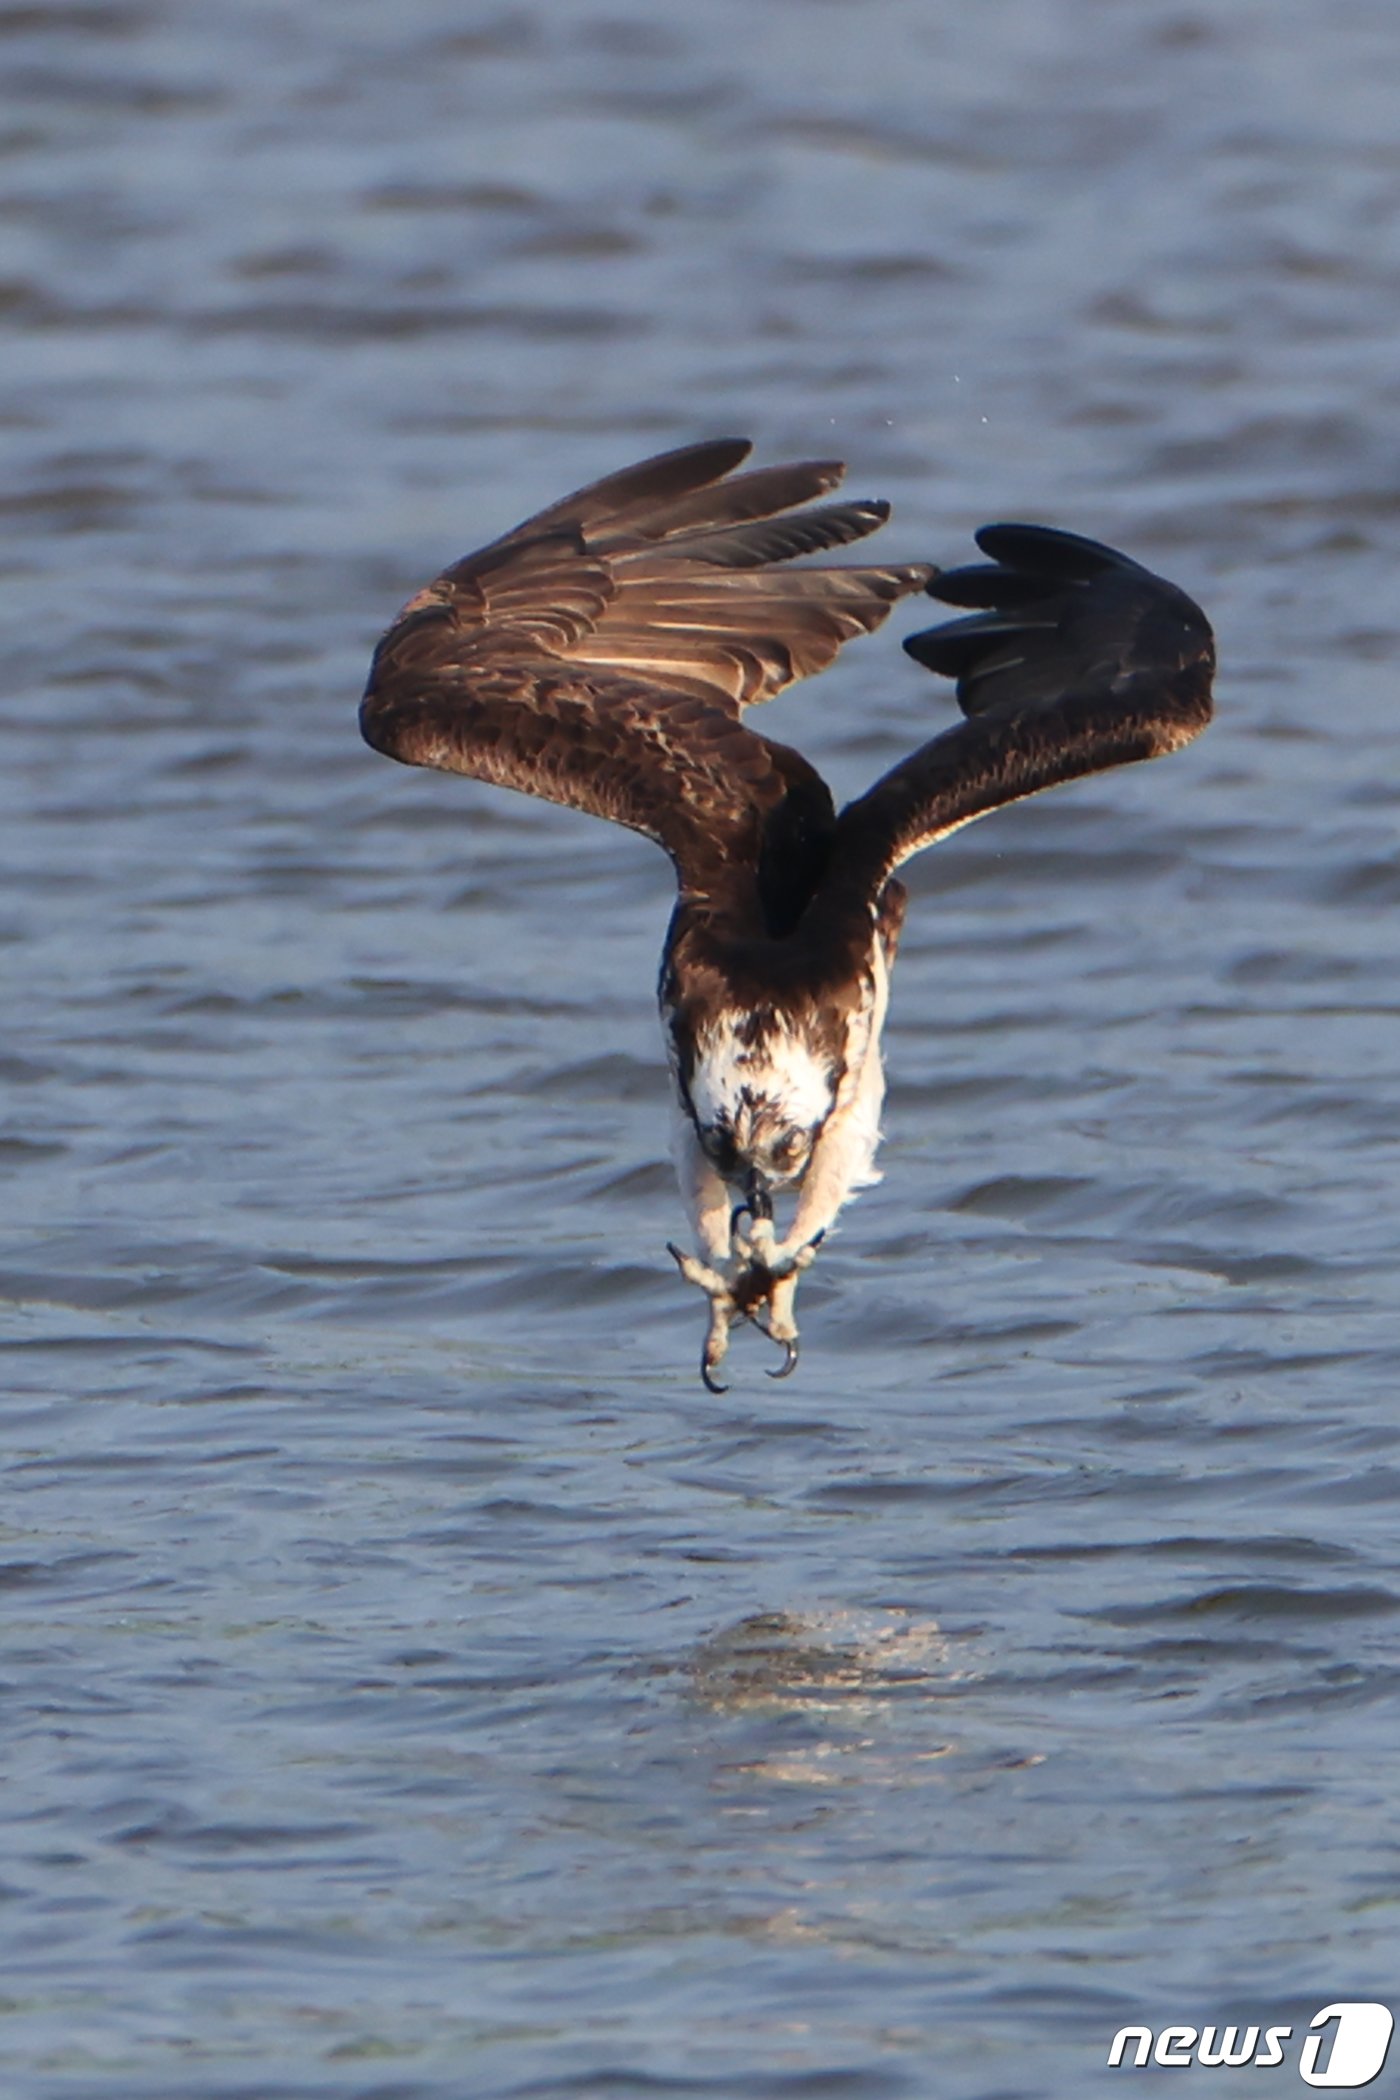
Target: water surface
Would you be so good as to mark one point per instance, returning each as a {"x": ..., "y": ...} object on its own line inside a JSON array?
[{"x": 415, "y": 1686}]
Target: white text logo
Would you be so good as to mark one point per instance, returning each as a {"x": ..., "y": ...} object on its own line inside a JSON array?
[{"x": 1345, "y": 2046}]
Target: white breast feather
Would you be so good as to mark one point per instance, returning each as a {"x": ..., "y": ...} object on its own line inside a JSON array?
[
  {"x": 843, "y": 1159},
  {"x": 787, "y": 1073}
]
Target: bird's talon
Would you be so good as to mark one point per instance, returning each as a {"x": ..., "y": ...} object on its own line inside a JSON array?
[
  {"x": 789, "y": 1363},
  {"x": 754, "y": 1286}
]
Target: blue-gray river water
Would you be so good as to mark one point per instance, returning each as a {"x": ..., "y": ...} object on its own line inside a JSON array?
[{"x": 415, "y": 1687}]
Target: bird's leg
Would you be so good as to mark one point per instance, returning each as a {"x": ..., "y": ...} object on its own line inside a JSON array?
[
  {"x": 757, "y": 1282},
  {"x": 744, "y": 1271},
  {"x": 781, "y": 1268},
  {"x": 782, "y": 1262},
  {"x": 723, "y": 1309}
]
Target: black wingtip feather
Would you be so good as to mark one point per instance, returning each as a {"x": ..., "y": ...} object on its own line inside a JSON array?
[
  {"x": 955, "y": 648},
  {"x": 1053, "y": 613},
  {"x": 986, "y": 584},
  {"x": 1046, "y": 550}
]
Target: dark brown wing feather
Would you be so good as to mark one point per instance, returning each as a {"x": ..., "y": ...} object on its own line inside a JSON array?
[
  {"x": 669, "y": 765},
  {"x": 1078, "y": 660},
  {"x": 601, "y": 654}
]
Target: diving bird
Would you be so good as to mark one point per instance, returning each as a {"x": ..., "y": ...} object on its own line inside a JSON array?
[{"x": 602, "y": 655}]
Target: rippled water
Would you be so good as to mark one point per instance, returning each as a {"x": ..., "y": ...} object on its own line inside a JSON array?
[{"x": 415, "y": 1686}]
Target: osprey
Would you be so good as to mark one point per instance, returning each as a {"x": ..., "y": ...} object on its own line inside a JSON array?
[{"x": 602, "y": 656}]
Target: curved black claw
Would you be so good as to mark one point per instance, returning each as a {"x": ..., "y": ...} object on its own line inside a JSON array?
[
  {"x": 789, "y": 1364},
  {"x": 708, "y": 1379}
]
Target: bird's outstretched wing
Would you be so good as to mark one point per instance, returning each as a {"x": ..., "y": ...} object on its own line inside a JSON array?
[
  {"x": 1076, "y": 660},
  {"x": 601, "y": 654}
]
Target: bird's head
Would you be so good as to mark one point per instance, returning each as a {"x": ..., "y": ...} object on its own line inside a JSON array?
[
  {"x": 759, "y": 1144},
  {"x": 759, "y": 1109}
]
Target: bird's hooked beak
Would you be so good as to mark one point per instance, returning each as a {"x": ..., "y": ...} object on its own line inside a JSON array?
[
  {"x": 760, "y": 1199},
  {"x": 757, "y": 1205}
]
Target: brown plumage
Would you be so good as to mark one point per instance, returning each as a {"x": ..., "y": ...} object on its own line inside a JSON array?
[
  {"x": 602, "y": 654},
  {"x": 1078, "y": 660}
]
